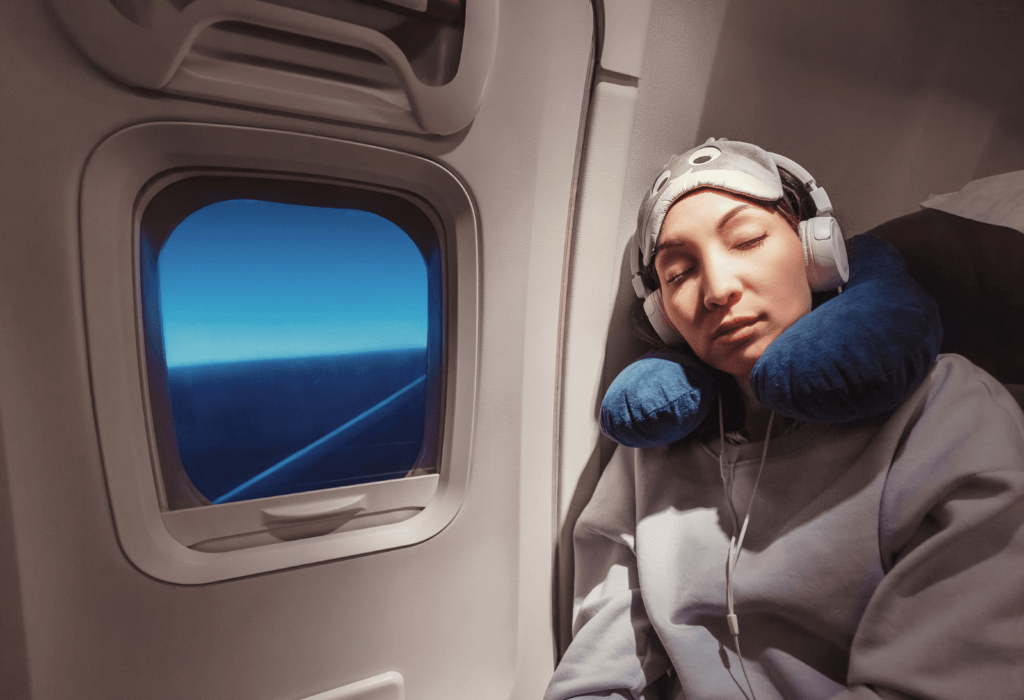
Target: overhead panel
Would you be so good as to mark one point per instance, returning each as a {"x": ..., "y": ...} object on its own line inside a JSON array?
[{"x": 410, "y": 65}]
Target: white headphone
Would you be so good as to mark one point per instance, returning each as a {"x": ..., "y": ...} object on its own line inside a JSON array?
[{"x": 822, "y": 240}]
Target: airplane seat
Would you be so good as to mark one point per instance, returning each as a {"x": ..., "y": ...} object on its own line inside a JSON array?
[{"x": 972, "y": 269}]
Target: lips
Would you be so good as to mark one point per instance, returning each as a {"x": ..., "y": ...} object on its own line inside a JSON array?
[{"x": 733, "y": 327}]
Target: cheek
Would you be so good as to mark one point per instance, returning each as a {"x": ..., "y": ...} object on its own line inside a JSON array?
[
  {"x": 790, "y": 288},
  {"x": 683, "y": 309}
]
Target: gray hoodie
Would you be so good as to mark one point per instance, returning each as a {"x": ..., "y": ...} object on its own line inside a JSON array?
[{"x": 883, "y": 559}]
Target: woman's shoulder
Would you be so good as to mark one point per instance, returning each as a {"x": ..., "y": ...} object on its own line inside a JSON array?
[
  {"x": 955, "y": 386},
  {"x": 961, "y": 420},
  {"x": 959, "y": 424},
  {"x": 958, "y": 454}
]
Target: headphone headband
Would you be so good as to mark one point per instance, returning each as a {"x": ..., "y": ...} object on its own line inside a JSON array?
[{"x": 822, "y": 203}]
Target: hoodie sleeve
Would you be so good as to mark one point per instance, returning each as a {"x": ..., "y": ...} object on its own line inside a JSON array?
[
  {"x": 615, "y": 653},
  {"x": 947, "y": 620}
]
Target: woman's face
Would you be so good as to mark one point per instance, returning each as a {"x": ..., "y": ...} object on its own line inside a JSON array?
[{"x": 732, "y": 277}]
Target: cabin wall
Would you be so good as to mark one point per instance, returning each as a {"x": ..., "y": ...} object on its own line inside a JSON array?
[
  {"x": 13, "y": 661},
  {"x": 465, "y": 614}
]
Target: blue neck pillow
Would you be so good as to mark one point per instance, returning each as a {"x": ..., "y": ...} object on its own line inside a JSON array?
[{"x": 856, "y": 356}]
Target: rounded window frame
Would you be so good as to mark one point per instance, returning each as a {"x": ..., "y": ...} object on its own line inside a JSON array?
[{"x": 122, "y": 177}]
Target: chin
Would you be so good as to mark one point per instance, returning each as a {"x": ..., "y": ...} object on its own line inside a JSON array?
[
  {"x": 740, "y": 362},
  {"x": 739, "y": 366}
]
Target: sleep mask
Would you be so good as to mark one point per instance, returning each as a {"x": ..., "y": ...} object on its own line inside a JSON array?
[{"x": 733, "y": 166}]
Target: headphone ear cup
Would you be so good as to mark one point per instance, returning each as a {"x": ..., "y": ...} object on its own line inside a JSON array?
[
  {"x": 824, "y": 253},
  {"x": 654, "y": 307}
]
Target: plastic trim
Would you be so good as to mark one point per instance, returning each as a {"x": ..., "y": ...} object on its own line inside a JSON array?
[{"x": 386, "y": 686}]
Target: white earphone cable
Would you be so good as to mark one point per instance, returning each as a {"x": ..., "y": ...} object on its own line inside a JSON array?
[{"x": 736, "y": 543}]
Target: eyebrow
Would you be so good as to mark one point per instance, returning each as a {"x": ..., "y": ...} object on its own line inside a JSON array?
[
  {"x": 718, "y": 227},
  {"x": 730, "y": 214}
]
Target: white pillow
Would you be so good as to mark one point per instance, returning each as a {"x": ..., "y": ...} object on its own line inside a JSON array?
[{"x": 995, "y": 200}]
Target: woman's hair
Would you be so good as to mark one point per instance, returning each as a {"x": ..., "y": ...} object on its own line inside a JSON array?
[{"x": 795, "y": 206}]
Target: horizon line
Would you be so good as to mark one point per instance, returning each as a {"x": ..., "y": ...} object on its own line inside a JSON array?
[{"x": 210, "y": 363}]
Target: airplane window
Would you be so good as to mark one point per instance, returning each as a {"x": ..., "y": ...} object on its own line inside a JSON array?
[
  {"x": 294, "y": 347},
  {"x": 283, "y": 357}
]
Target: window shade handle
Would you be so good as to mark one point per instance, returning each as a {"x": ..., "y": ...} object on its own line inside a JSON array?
[{"x": 318, "y": 510}]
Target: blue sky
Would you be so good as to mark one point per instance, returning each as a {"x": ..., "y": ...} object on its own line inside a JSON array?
[{"x": 244, "y": 279}]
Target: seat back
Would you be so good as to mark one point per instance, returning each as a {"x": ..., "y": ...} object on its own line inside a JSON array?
[{"x": 975, "y": 272}]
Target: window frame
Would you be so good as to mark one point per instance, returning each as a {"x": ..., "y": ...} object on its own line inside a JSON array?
[
  {"x": 121, "y": 178},
  {"x": 164, "y": 205}
]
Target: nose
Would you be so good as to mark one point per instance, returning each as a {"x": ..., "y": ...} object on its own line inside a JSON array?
[{"x": 722, "y": 285}]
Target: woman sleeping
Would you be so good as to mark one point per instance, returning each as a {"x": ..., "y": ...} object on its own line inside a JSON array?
[{"x": 767, "y": 557}]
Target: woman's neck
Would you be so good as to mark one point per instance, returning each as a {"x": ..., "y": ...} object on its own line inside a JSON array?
[{"x": 756, "y": 414}]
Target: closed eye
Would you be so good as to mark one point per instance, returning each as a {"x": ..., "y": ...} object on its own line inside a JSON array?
[
  {"x": 752, "y": 243},
  {"x": 678, "y": 277}
]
